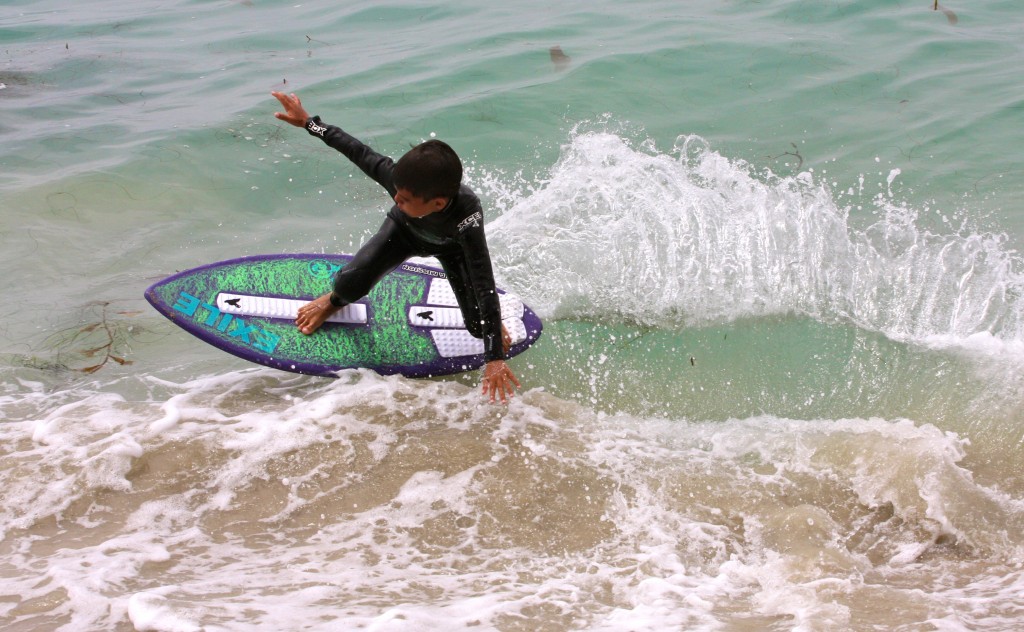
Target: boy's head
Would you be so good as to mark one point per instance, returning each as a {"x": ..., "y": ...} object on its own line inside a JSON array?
[{"x": 429, "y": 171}]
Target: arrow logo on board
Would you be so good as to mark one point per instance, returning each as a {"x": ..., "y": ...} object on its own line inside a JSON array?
[
  {"x": 427, "y": 315},
  {"x": 233, "y": 302}
]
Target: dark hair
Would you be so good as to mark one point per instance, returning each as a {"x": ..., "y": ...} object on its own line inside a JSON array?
[{"x": 429, "y": 170}]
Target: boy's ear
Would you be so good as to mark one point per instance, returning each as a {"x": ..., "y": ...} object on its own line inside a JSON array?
[{"x": 439, "y": 203}]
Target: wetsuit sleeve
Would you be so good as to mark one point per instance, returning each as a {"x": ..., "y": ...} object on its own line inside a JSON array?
[
  {"x": 378, "y": 167},
  {"x": 478, "y": 260}
]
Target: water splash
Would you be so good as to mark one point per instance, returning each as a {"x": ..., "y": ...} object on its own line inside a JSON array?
[{"x": 622, "y": 231}]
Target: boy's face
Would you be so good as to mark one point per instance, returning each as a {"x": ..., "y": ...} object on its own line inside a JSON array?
[{"x": 417, "y": 207}]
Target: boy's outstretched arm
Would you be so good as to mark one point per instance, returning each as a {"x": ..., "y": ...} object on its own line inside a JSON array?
[{"x": 293, "y": 113}]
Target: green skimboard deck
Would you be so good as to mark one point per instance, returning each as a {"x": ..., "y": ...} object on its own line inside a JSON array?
[{"x": 409, "y": 323}]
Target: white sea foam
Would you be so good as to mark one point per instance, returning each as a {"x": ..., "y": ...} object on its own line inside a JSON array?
[
  {"x": 393, "y": 504},
  {"x": 150, "y": 611}
]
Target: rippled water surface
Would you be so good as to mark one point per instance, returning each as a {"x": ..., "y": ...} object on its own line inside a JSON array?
[{"x": 775, "y": 245}]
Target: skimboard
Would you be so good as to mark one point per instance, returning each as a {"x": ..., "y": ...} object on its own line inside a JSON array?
[{"x": 410, "y": 323}]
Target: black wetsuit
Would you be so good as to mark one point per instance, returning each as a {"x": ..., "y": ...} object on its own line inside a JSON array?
[{"x": 455, "y": 235}]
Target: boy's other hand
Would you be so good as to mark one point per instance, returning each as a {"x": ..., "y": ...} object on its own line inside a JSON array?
[
  {"x": 293, "y": 113},
  {"x": 499, "y": 381}
]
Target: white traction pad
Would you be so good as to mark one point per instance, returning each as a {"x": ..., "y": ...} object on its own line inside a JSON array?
[
  {"x": 283, "y": 308},
  {"x": 451, "y": 317},
  {"x": 452, "y": 343},
  {"x": 447, "y": 327}
]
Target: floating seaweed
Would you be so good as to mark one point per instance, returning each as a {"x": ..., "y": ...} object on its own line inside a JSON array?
[
  {"x": 953, "y": 19},
  {"x": 9, "y": 80},
  {"x": 795, "y": 154},
  {"x": 104, "y": 337},
  {"x": 559, "y": 58}
]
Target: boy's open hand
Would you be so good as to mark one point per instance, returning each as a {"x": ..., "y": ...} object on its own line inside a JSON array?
[
  {"x": 293, "y": 113},
  {"x": 499, "y": 381}
]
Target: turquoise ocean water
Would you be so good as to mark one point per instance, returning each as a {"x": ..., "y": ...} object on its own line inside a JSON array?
[{"x": 776, "y": 245}]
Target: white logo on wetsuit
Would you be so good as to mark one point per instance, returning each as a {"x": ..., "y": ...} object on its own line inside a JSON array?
[
  {"x": 473, "y": 220},
  {"x": 317, "y": 129}
]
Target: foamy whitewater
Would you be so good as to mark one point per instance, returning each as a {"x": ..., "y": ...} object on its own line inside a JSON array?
[
  {"x": 781, "y": 378},
  {"x": 256, "y": 501}
]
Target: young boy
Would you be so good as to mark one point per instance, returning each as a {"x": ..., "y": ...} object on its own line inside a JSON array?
[{"x": 434, "y": 215}]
